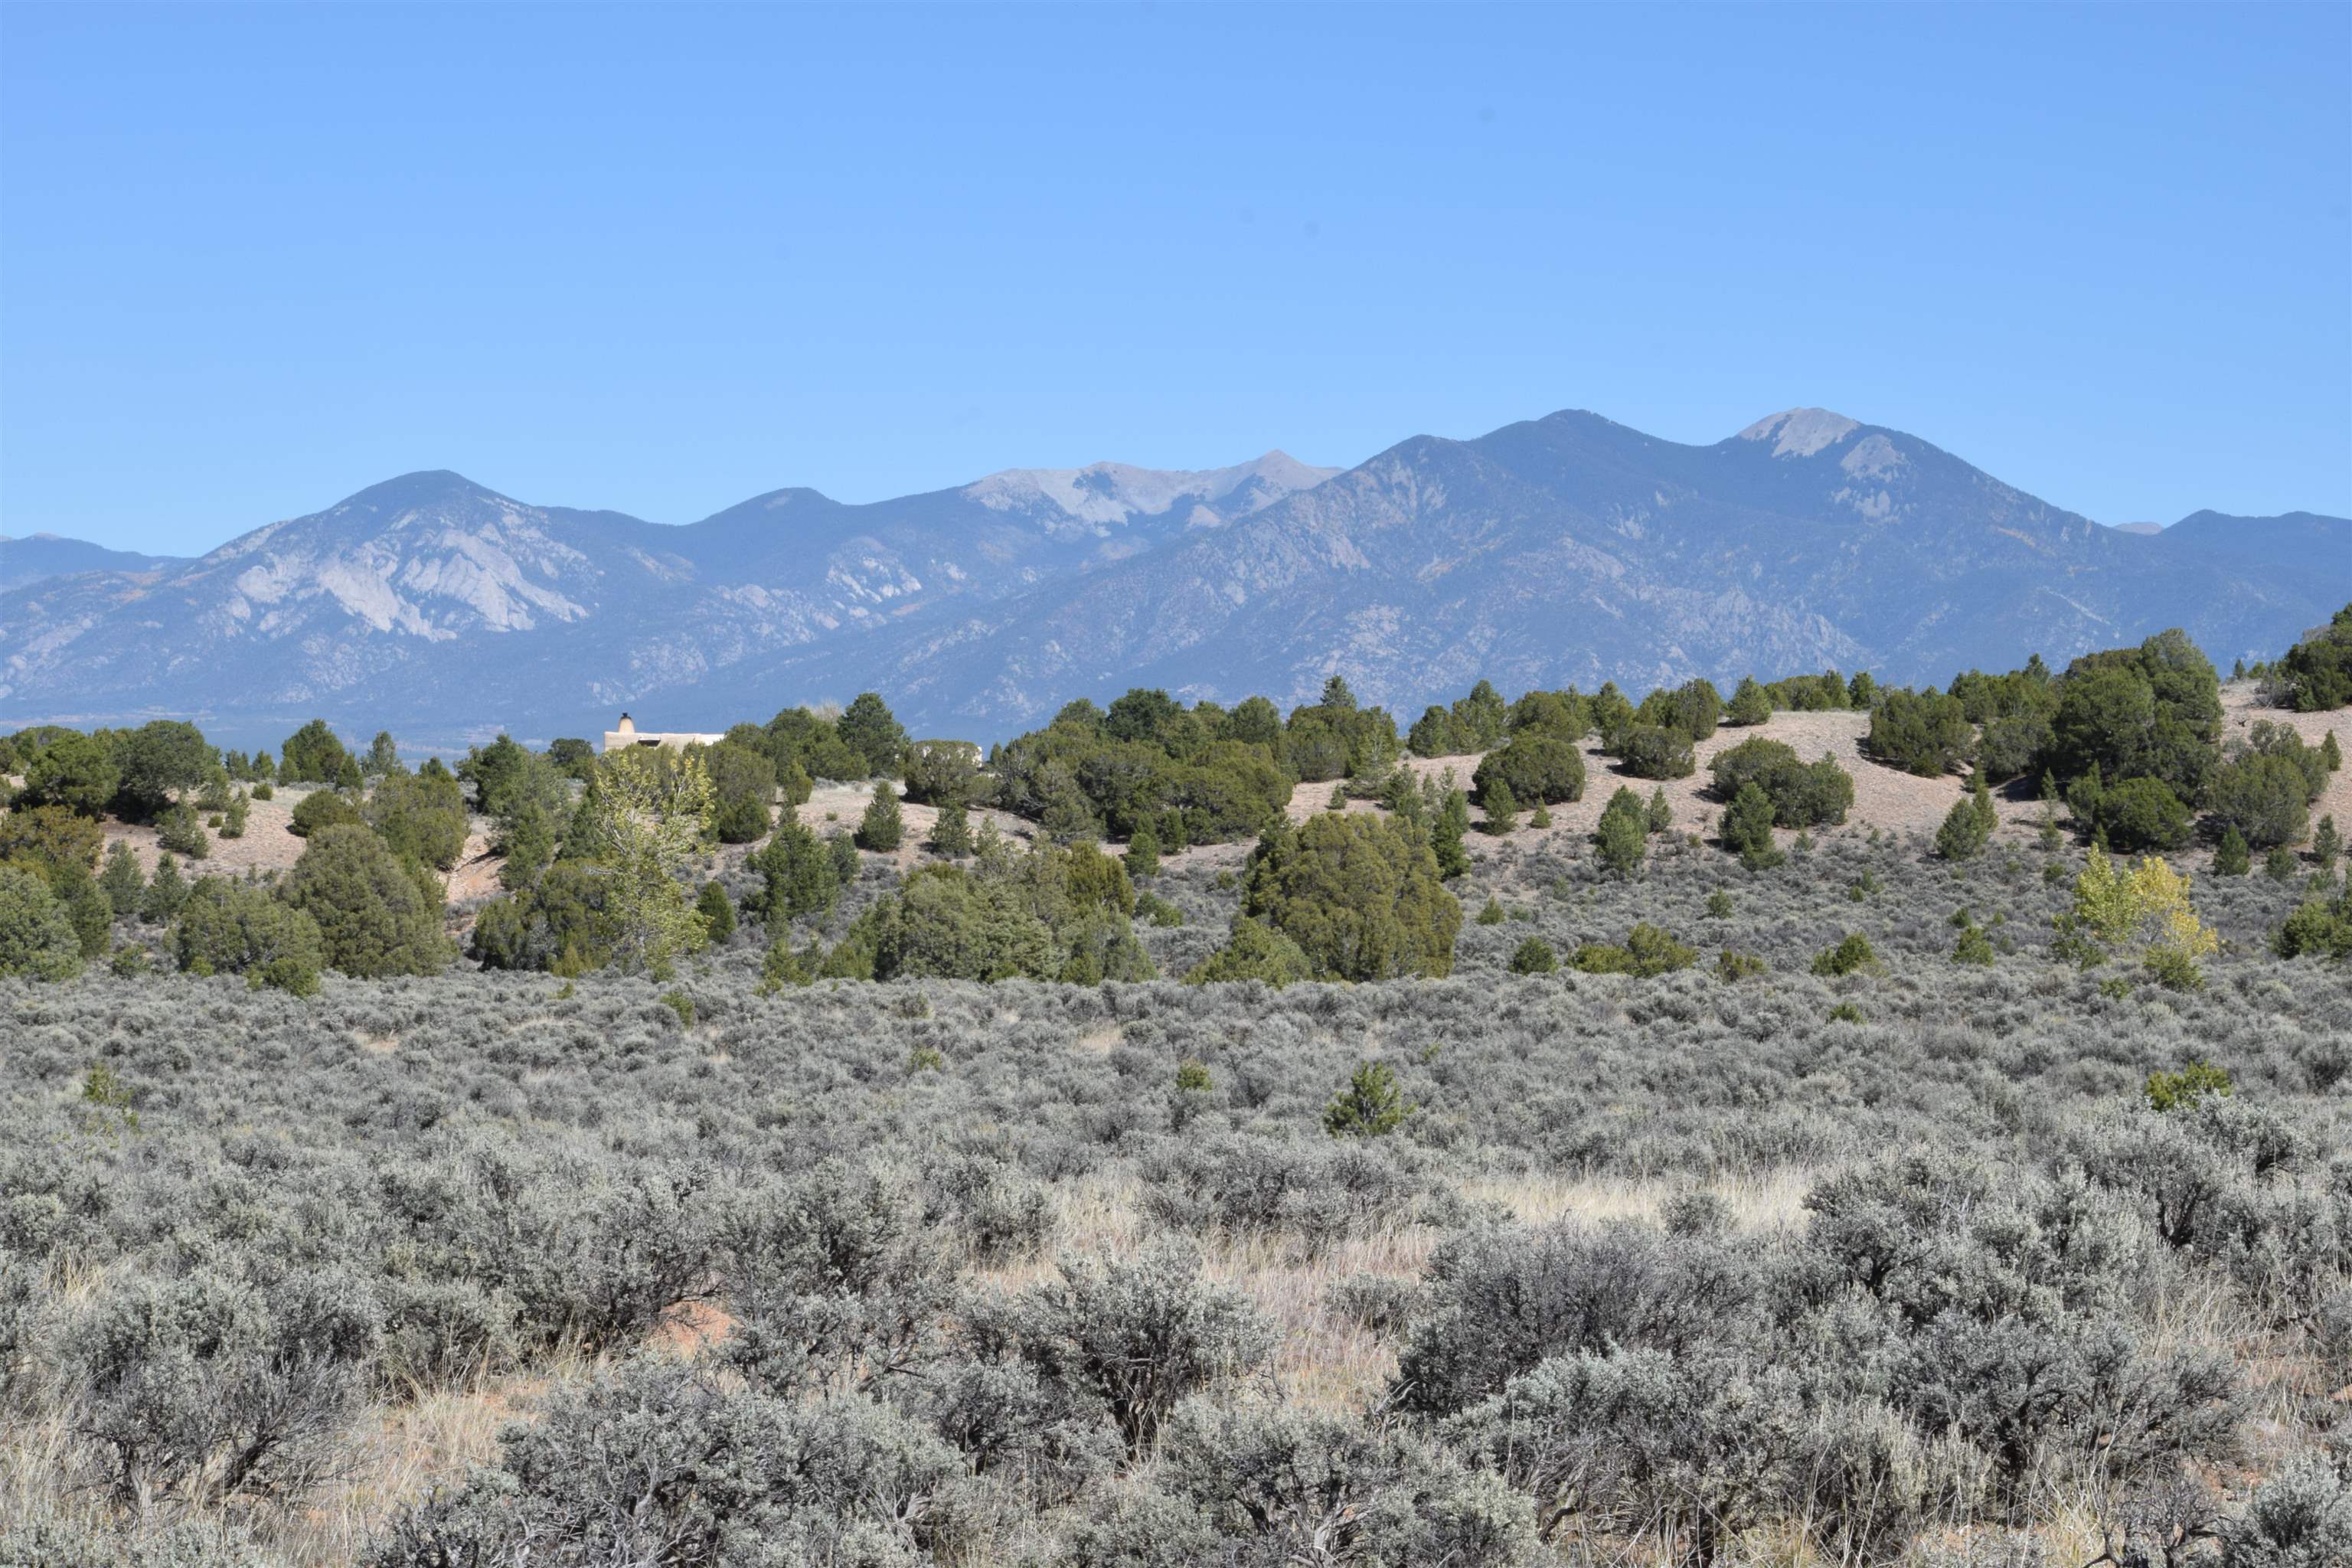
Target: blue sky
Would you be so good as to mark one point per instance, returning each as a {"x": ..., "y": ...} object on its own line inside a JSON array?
[{"x": 661, "y": 260}]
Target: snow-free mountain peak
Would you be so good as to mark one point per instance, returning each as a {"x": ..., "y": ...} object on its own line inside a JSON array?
[
  {"x": 1566, "y": 548},
  {"x": 428, "y": 488},
  {"x": 1801, "y": 432},
  {"x": 1106, "y": 494}
]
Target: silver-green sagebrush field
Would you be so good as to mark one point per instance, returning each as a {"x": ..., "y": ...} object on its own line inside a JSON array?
[{"x": 1191, "y": 1137}]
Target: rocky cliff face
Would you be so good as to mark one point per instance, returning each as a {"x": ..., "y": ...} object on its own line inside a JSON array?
[{"x": 1559, "y": 550}]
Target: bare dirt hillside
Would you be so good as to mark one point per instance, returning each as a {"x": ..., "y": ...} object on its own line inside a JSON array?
[{"x": 1886, "y": 800}]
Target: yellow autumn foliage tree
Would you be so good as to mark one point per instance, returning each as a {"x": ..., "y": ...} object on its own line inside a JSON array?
[{"x": 2143, "y": 913}]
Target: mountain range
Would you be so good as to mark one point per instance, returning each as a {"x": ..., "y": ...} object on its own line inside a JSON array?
[
  {"x": 1565, "y": 549},
  {"x": 24, "y": 562}
]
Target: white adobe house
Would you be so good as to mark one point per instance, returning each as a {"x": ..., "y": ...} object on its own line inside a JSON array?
[{"x": 626, "y": 734}]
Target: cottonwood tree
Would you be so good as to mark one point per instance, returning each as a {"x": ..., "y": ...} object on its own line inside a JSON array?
[{"x": 652, "y": 824}]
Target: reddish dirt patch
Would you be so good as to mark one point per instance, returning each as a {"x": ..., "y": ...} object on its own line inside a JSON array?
[{"x": 688, "y": 1329}]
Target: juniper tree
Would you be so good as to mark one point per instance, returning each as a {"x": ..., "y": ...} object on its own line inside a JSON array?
[
  {"x": 36, "y": 936},
  {"x": 881, "y": 829},
  {"x": 529, "y": 846},
  {"x": 378, "y": 913},
  {"x": 85, "y": 904},
  {"x": 123, "y": 882},
  {"x": 1623, "y": 837},
  {"x": 74, "y": 771},
  {"x": 1747, "y": 827},
  {"x": 1962, "y": 836},
  {"x": 1143, "y": 854},
  {"x": 1661, "y": 812},
  {"x": 950, "y": 831},
  {"x": 383, "y": 758},
  {"x": 1751, "y": 703},
  {"x": 1446, "y": 832},
  {"x": 155, "y": 762},
  {"x": 1502, "y": 811},
  {"x": 716, "y": 910},
  {"x": 166, "y": 892},
  {"x": 2231, "y": 856}
]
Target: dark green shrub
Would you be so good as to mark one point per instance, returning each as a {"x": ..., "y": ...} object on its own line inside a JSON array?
[
  {"x": 36, "y": 936},
  {"x": 1654, "y": 752},
  {"x": 1692, "y": 710},
  {"x": 1143, "y": 854},
  {"x": 73, "y": 772},
  {"x": 799, "y": 874},
  {"x": 312, "y": 754},
  {"x": 157, "y": 761},
  {"x": 2152, "y": 711},
  {"x": 942, "y": 771},
  {"x": 1502, "y": 809},
  {"x": 1254, "y": 951},
  {"x": 1922, "y": 732},
  {"x": 743, "y": 785},
  {"x": 2230, "y": 857},
  {"x": 1850, "y": 956},
  {"x": 179, "y": 831},
  {"x": 318, "y": 810},
  {"x": 947, "y": 924},
  {"x": 716, "y": 910},
  {"x": 1748, "y": 829},
  {"x": 377, "y": 914},
  {"x": 1751, "y": 703},
  {"x": 2140, "y": 814},
  {"x": 1359, "y": 895},
  {"x": 1966, "y": 826},
  {"x": 881, "y": 829},
  {"x": 1533, "y": 956},
  {"x": 867, "y": 728},
  {"x": 166, "y": 892},
  {"x": 1802, "y": 794},
  {"x": 2317, "y": 673},
  {"x": 1537, "y": 766},
  {"x": 1732, "y": 967},
  {"x": 421, "y": 816},
  {"x": 1453, "y": 820},
  {"x": 233, "y": 928},
  {"x": 86, "y": 906},
  {"x": 1371, "y": 1106},
  {"x": 50, "y": 837},
  {"x": 1649, "y": 952},
  {"x": 2186, "y": 1089},
  {"x": 1622, "y": 839},
  {"x": 2264, "y": 798}
]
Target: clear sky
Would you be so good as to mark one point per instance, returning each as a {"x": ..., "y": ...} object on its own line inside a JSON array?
[{"x": 660, "y": 260}]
